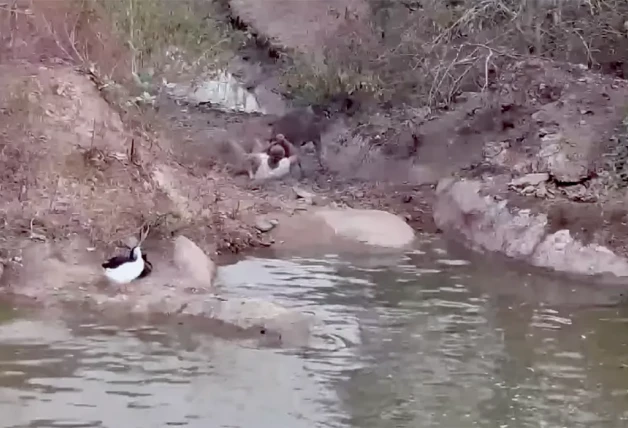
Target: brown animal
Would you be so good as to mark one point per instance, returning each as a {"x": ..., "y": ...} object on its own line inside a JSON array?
[
  {"x": 301, "y": 126},
  {"x": 287, "y": 148}
]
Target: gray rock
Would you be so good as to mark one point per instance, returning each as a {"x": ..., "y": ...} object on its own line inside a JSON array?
[
  {"x": 492, "y": 149},
  {"x": 304, "y": 195},
  {"x": 567, "y": 170},
  {"x": 577, "y": 193},
  {"x": 51, "y": 281},
  {"x": 373, "y": 227},
  {"x": 562, "y": 252},
  {"x": 264, "y": 225},
  {"x": 530, "y": 180},
  {"x": 486, "y": 224},
  {"x": 190, "y": 259},
  {"x": 566, "y": 163}
]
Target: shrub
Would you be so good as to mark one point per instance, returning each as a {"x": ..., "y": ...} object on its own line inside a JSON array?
[{"x": 426, "y": 51}]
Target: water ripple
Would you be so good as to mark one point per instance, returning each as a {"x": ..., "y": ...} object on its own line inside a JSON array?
[{"x": 405, "y": 341}]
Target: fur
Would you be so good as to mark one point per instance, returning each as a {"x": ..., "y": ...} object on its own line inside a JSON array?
[
  {"x": 301, "y": 126},
  {"x": 264, "y": 170}
]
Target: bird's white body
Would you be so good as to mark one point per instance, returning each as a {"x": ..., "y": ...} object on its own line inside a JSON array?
[
  {"x": 127, "y": 271},
  {"x": 265, "y": 172}
]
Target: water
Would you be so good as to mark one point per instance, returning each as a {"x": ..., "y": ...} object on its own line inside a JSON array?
[{"x": 418, "y": 341}]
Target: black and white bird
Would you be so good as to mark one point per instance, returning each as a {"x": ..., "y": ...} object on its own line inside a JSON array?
[
  {"x": 148, "y": 267},
  {"x": 124, "y": 269}
]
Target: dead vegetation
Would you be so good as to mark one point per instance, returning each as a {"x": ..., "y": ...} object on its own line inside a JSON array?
[
  {"x": 75, "y": 164},
  {"x": 427, "y": 51}
]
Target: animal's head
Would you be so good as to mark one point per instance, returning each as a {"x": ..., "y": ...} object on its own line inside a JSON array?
[
  {"x": 277, "y": 152},
  {"x": 137, "y": 253}
]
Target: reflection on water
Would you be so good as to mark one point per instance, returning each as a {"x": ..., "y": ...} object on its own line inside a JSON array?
[{"x": 423, "y": 340}]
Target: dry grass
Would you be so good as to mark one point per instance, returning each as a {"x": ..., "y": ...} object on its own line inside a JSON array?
[
  {"x": 73, "y": 165},
  {"x": 427, "y": 51},
  {"x": 64, "y": 164}
]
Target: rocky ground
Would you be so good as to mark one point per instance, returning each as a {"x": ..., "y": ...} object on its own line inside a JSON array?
[{"x": 541, "y": 136}]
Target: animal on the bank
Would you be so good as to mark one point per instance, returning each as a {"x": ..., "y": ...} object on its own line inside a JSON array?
[
  {"x": 302, "y": 126},
  {"x": 270, "y": 164},
  {"x": 124, "y": 269},
  {"x": 289, "y": 150}
]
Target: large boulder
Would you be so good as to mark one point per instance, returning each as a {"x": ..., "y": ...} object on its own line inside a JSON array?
[
  {"x": 372, "y": 227},
  {"x": 485, "y": 223},
  {"x": 344, "y": 229}
]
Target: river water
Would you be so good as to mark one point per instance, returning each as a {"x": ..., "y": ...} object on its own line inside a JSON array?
[{"x": 422, "y": 340}]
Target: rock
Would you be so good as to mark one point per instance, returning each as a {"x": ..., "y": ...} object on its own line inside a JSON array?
[
  {"x": 530, "y": 180},
  {"x": 302, "y": 194},
  {"x": 566, "y": 163},
  {"x": 543, "y": 192},
  {"x": 483, "y": 223},
  {"x": 372, "y": 227},
  {"x": 289, "y": 326},
  {"x": 265, "y": 225},
  {"x": 492, "y": 149},
  {"x": 563, "y": 253},
  {"x": 190, "y": 259},
  {"x": 342, "y": 230},
  {"x": 577, "y": 193},
  {"x": 223, "y": 92},
  {"x": 55, "y": 273}
]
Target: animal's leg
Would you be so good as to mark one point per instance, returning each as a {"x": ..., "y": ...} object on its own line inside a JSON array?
[
  {"x": 296, "y": 160},
  {"x": 318, "y": 145}
]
